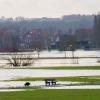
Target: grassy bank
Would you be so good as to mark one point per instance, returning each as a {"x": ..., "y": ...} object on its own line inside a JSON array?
[
  {"x": 73, "y": 79},
  {"x": 72, "y": 68},
  {"x": 52, "y": 95},
  {"x": 58, "y": 67}
]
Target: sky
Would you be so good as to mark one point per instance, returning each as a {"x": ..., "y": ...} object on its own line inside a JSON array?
[{"x": 47, "y": 8}]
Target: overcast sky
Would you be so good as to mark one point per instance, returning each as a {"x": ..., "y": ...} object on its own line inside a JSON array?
[{"x": 47, "y": 8}]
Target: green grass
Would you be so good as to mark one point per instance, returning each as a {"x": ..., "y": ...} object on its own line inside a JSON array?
[
  {"x": 52, "y": 95},
  {"x": 72, "y": 68},
  {"x": 73, "y": 79},
  {"x": 62, "y": 68}
]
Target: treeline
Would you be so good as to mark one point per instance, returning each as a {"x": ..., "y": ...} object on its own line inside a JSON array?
[
  {"x": 47, "y": 33},
  {"x": 65, "y": 23}
]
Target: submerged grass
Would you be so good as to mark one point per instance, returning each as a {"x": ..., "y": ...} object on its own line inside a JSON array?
[
  {"x": 72, "y": 68},
  {"x": 73, "y": 79},
  {"x": 60, "y": 67}
]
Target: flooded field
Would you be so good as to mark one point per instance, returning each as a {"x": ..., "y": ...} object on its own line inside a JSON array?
[
  {"x": 6, "y": 74},
  {"x": 91, "y": 58},
  {"x": 15, "y": 86}
]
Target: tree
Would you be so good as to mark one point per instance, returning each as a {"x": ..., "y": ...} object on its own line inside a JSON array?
[
  {"x": 17, "y": 57},
  {"x": 63, "y": 43},
  {"x": 97, "y": 30},
  {"x": 39, "y": 46},
  {"x": 71, "y": 43},
  {"x": 68, "y": 43}
]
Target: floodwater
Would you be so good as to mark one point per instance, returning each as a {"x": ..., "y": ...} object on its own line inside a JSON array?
[
  {"x": 63, "y": 85},
  {"x": 60, "y": 62},
  {"x": 68, "y": 62},
  {"x": 6, "y": 74},
  {"x": 76, "y": 87},
  {"x": 33, "y": 83}
]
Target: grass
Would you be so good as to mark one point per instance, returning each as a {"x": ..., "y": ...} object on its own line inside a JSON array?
[
  {"x": 43, "y": 94},
  {"x": 72, "y": 68},
  {"x": 61, "y": 68},
  {"x": 73, "y": 79}
]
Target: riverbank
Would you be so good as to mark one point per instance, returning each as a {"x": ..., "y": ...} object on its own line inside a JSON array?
[
  {"x": 52, "y": 94},
  {"x": 56, "y": 67}
]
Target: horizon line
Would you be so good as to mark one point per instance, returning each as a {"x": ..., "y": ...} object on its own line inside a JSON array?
[{"x": 1, "y": 17}]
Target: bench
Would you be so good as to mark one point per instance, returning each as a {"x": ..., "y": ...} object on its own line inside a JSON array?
[{"x": 50, "y": 82}]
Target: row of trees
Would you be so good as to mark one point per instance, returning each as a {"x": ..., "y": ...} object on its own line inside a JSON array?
[{"x": 18, "y": 58}]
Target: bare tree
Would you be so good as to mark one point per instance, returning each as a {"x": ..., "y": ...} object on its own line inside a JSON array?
[
  {"x": 68, "y": 42},
  {"x": 20, "y": 59}
]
